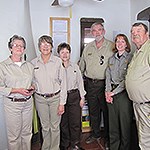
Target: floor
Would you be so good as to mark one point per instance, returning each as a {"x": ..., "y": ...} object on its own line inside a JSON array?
[
  {"x": 97, "y": 145},
  {"x": 93, "y": 146}
]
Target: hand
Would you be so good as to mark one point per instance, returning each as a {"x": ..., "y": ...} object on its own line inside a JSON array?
[
  {"x": 22, "y": 91},
  {"x": 108, "y": 96},
  {"x": 31, "y": 89},
  {"x": 61, "y": 109},
  {"x": 81, "y": 103}
]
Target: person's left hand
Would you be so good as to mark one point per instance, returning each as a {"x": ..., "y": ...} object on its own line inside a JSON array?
[{"x": 61, "y": 109}]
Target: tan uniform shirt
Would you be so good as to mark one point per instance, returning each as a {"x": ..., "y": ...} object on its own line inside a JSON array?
[
  {"x": 13, "y": 76},
  {"x": 138, "y": 75},
  {"x": 50, "y": 77},
  {"x": 94, "y": 61},
  {"x": 74, "y": 79}
]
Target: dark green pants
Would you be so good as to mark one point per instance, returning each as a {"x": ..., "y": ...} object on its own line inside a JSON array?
[{"x": 120, "y": 121}]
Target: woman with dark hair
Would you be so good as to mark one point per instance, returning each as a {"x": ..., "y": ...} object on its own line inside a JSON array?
[
  {"x": 119, "y": 105},
  {"x": 16, "y": 87},
  {"x": 70, "y": 126},
  {"x": 51, "y": 93}
]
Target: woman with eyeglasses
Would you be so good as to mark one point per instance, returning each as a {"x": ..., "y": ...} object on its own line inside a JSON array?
[
  {"x": 119, "y": 105},
  {"x": 16, "y": 77},
  {"x": 51, "y": 93}
]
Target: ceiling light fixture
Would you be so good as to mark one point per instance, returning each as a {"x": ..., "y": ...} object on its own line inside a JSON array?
[{"x": 65, "y": 3}]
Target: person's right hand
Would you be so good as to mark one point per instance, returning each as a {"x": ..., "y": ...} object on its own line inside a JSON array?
[{"x": 109, "y": 98}]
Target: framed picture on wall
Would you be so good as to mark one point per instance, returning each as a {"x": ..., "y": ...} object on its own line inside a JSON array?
[{"x": 59, "y": 30}]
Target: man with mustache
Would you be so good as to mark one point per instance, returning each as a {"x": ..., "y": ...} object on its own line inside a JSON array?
[
  {"x": 138, "y": 82},
  {"x": 93, "y": 63}
]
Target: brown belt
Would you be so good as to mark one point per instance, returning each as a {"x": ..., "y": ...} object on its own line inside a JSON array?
[
  {"x": 13, "y": 99},
  {"x": 72, "y": 91},
  {"x": 47, "y": 95}
]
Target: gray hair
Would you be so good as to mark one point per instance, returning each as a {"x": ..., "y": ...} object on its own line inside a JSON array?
[{"x": 16, "y": 37}]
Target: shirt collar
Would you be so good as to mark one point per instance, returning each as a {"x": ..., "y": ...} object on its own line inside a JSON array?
[
  {"x": 9, "y": 61},
  {"x": 103, "y": 44},
  {"x": 70, "y": 64},
  {"x": 123, "y": 55},
  {"x": 142, "y": 49},
  {"x": 50, "y": 59}
]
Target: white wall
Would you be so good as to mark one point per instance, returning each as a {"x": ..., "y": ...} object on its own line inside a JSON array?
[
  {"x": 136, "y": 7},
  {"x": 110, "y": 10}
]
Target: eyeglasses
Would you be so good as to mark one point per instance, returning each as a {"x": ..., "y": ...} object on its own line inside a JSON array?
[
  {"x": 16, "y": 46},
  {"x": 45, "y": 44},
  {"x": 101, "y": 61}
]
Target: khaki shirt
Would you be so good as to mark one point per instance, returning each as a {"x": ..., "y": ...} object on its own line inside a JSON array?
[
  {"x": 74, "y": 79},
  {"x": 138, "y": 75},
  {"x": 116, "y": 71},
  {"x": 13, "y": 76},
  {"x": 90, "y": 62},
  {"x": 50, "y": 77}
]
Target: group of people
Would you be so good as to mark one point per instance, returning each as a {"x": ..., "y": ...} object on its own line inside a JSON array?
[
  {"x": 57, "y": 88},
  {"x": 117, "y": 84}
]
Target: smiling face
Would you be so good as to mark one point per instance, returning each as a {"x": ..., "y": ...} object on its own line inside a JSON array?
[
  {"x": 98, "y": 32},
  {"x": 45, "y": 48},
  {"x": 121, "y": 43},
  {"x": 17, "y": 48},
  {"x": 64, "y": 54},
  {"x": 139, "y": 35}
]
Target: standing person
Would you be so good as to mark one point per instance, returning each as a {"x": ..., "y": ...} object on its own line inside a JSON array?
[
  {"x": 51, "y": 94},
  {"x": 71, "y": 119},
  {"x": 119, "y": 106},
  {"x": 138, "y": 82},
  {"x": 93, "y": 63},
  {"x": 15, "y": 81}
]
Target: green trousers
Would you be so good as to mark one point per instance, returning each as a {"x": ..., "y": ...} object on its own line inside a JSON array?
[{"x": 120, "y": 121}]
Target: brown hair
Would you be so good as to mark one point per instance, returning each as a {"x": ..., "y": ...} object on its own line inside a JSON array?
[
  {"x": 140, "y": 23},
  {"x": 128, "y": 48},
  {"x": 45, "y": 38},
  {"x": 62, "y": 46}
]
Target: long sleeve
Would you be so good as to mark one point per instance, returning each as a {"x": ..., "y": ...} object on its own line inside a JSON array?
[
  {"x": 4, "y": 90},
  {"x": 80, "y": 83},
  {"x": 63, "y": 85},
  {"x": 82, "y": 64},
  {"x": 108, "y": 80}
]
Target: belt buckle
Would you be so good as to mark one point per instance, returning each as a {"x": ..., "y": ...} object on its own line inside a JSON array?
[
  {"x": 53, "y": 94},
  {"x": 45, "y": 95}
]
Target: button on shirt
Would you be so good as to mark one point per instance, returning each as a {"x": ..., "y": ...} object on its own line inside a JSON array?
[
  {"x": 116, "y": 71},
  {"x": 138, "y": 75},
  {"x": 74, "y": 79},
  {"x": 13, "y": 76},
  {"x": 50, "y": 77},
  {"x": 94, "y": 61}
]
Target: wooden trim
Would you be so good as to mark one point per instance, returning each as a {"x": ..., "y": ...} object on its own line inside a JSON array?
[{"x": 68, "y": 26}]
